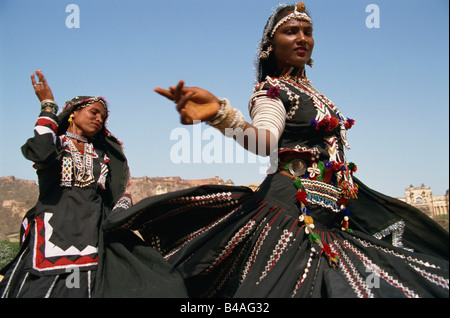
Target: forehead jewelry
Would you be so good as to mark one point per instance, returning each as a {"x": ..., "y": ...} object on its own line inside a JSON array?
[{"x": 299, "y": 14}]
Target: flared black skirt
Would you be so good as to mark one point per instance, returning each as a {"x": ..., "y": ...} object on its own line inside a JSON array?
[{"x": 232, "y": 242}]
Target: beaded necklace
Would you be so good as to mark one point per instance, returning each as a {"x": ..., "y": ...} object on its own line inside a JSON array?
[{"x": 83, "y": 164}]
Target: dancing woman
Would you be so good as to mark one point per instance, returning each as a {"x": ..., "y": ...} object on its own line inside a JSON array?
[
  {"x": 311, "y": 229},
  {"x": 82, "y": 175}
]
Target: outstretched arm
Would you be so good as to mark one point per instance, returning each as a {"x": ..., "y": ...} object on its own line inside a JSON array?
[{"x": 197, "y": 104}]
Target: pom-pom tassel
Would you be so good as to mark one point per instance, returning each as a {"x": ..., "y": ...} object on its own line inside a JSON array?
[
  {"x": 301, "y": 197},
  {"x": 333, "y": 258},
  {"x": 345, "y": 222}
]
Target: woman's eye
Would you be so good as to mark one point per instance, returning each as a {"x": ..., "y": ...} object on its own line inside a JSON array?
[{"x": 290, "y": 31}]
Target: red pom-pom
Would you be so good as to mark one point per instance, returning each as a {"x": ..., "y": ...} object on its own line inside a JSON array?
[
  {"x": 349, "y": 123},
  {"x": 326, "y": 248},
  {"x": 334, "y": 122},
  {"x": 324, "y": 122},
  {"x": 301, "y": 197},
  {"x": 273, "y": 92},
  {"x": 337, "y": 166}
]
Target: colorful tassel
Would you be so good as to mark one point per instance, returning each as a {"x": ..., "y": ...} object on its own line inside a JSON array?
[
  {"x": 273, "y": 92},
  {"x": 301, "y": 197},
  {"x": 349, "y": 123},
  {"x": 333, "y": 258},
  {"x": 352, "y": 167},
  {"x": 298, "y": 183},
  {"x": 334, "y": 261}
]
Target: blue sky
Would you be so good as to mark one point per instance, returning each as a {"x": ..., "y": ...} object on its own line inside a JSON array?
[{"x": 393, "y": 80}]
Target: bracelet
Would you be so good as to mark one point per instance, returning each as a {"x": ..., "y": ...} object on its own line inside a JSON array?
[
  {"x": 227, "y": 118},
  {"x": 49, "y": 103},
  {"x": 221, "y": 113}
]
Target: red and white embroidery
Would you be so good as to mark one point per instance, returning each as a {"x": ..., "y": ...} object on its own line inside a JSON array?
[{"x": 47, "y": 256}]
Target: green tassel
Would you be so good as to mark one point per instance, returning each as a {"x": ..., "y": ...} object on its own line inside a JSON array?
[
  {"x": 313, "y": 237},
  {"x": 321, "y": 167},
  {"x": 298, "y": 183}
]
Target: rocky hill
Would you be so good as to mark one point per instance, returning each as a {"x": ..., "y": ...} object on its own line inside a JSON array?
[{"x": 17, "y": 196}]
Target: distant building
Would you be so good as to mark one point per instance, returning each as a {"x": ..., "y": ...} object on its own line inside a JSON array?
[{"x": 423, "y": 199}]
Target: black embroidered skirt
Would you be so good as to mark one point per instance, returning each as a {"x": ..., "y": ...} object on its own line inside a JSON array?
[{"x": 231, "y": 242}]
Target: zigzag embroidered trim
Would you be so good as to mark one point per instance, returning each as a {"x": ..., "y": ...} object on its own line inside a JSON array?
[
  {"x": 125, "y": 202},
  {"x": 396, "y": 254},
  {"x": 236, "y": 239},
  {"x": 438, "y": 280},
  {"x": 356, "y": 281},
  {"x": 305, "y": 272},
  {"x": 256, "y": 250},
  {"x": 435, "y": 279},
  {"x": 217, "y": 200},
  {"x": 385, "y": 275},
  {"x": 276, "y": 254},
  {"x": 221, "y": 199},
  {"x": 187, "y": 239}
]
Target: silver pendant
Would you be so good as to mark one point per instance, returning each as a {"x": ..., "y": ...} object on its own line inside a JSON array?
[{"x": 297, "y": 167}]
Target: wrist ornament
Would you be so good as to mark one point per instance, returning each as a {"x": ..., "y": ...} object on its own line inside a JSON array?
[
  {"x": 49, "y": 103},
  {"x": 227, "y": 117}
]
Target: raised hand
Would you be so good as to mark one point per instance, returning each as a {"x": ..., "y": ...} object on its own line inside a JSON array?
[
  {"x": 41, "y": 88},
  {"x": 193, "y": 103}
]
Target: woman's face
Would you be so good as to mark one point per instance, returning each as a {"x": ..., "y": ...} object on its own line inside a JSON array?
[
  {"x": 293, "y": 44},
  {"x": 88, "y": 121}
]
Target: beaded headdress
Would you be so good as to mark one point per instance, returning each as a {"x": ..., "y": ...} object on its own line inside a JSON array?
[
  {"x": 83, "y": 101},
  {"x": 299, "y": 14}
]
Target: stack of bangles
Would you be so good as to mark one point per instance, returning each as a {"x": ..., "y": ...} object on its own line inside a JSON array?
[
  {"x": 227, "y": 118},
  {"x": 49, "y": 103}
]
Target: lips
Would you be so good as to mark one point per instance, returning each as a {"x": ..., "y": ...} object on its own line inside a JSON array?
[{"x": 301, "y": 50}]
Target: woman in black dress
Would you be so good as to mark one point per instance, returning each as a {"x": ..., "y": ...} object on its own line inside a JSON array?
[
  {"x": 311, "y": 229},
  {"x": 82, "y": 174}
]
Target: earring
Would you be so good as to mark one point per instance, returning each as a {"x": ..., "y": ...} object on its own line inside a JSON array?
[
  {"x": 70, "y": 120},
  {"x": 310, "y": 63},
  {"x": 265, "y": 54}
]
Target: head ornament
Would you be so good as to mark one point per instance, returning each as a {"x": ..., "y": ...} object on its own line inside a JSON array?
[{"x": 298, "y": 14}]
